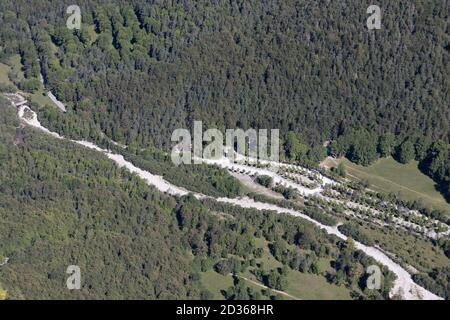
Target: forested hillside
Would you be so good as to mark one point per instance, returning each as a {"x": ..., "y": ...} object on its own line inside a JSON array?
[
  {"x": 140, "y": 69},
  {"x": 137, "y": 70},
  {"x": 62, "y": 204}
]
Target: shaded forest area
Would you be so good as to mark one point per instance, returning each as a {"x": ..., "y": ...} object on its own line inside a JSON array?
[{"x": 137, "y": 70}]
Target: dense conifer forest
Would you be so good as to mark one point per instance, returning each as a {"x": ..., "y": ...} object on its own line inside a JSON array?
[{"x": 137, "y": 70}]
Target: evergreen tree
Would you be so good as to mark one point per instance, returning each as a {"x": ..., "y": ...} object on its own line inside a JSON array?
[
  {"x": 386, "y": 144},
  {"x": 406, "y": 151},
  {"x": 341, "y": 170}
]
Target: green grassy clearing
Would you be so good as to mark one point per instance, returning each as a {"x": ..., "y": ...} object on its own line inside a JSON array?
[
  {"x": 406, "y": 180},
  {"x": 301, "y": 285},
  {"x": 40, "y": 97},
  {"x": 216, "y": 282},
  {"x": 17, "y": 64},
  {"x": 4, "y": 70}
]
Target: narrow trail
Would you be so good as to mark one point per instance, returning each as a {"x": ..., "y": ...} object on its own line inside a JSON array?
[
  {"x": 266, "y": 287},
  {"x": 403, "y": 283}
]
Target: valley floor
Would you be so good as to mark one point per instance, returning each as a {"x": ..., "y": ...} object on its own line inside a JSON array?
[{"x": 404, "y": 282}]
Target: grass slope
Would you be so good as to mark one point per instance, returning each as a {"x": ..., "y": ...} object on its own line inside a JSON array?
[
  {"x": 301, "y": 285},
  {"x": 4, "y": 70},
  {"x": 406, "y": 180}
]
